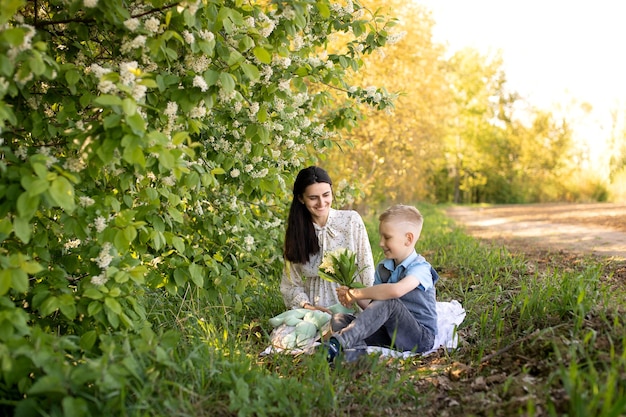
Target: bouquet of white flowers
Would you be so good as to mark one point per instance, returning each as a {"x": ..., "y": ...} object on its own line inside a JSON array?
[{"x": 340, "y": 266}]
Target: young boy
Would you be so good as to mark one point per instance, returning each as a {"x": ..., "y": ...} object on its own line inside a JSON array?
[{"x": 399, "y": 310}]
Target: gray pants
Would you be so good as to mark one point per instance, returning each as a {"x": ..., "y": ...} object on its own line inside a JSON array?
[{"x": 386, "y": 323}]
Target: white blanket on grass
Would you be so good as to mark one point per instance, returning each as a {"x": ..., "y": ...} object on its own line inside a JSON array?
[{"x": 450, "y": 314}]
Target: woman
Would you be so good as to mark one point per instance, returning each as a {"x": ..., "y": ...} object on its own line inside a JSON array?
[{"x": 314, "y": 228}]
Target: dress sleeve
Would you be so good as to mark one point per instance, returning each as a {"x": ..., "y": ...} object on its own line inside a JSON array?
[
  {"x": 363, "y": 250},
  {"x": 292, "y": 286}
]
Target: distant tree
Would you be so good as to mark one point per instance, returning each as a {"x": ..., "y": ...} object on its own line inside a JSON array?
[{"x": 390, "y": 155}]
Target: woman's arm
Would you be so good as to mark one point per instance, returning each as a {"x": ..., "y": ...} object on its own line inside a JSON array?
[
  {"x": 292, "y": 286},
  {"x": 363, "y": 250}
]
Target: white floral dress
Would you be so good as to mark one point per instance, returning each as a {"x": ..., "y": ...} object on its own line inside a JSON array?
[{"x": 301, "y": 283}]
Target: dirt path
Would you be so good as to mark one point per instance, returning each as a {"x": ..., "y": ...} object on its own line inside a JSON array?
[{"x": 585, "y": 229}]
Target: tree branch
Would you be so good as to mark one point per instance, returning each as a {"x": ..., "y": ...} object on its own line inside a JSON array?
[{"x": 42, "y": 24}]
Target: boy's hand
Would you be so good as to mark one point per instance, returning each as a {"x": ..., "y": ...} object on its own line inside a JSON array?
[{"x": 344, "y": 296}]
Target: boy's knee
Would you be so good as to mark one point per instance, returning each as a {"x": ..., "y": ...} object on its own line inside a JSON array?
[{"x": 340, "y": 320}]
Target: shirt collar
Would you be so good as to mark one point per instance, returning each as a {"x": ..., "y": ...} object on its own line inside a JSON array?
[
  {"x": 388, "y": 263},
  {"x": 327, "y": 230}
]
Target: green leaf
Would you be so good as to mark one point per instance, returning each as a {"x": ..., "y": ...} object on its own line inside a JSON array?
[
  {"x": 251, "y": 71},
  {"x": 228, "y": 82},
  {"x": 167, "y": 159},
  {"x": 130, "y": 233},
  {"x": 88, "y": 339},
  {"x": 49, "y": 306},
  {"x": 323, "y": 9},
  {"x": 62, "y": 193},
  {"x": 47, "y": 384},
  {"x": 5, "y": 281},
  {"x": 37, "y": 186},
  {"x": 31, "y": 267},
  {"x": 178, "y": 243},
  {"x": 113, "y": 305},
  {"x": 6, "y": 227},
  {"x": 27, "y": 205},
  {"x": 67, "y": 306},
  {"x": 8, "y": 8},
  {"x": 262, "y": 55},
  {"x": 136, "y": 123},
  {"x": 93, "y": 293},
  {"x": 134, "y": 155},
  {"x": 197, "y": 274},
  {"x": 72, "y": 77},
  {"x": 108, "y": 100},
  {"x": 14, "y": 36},
  {"x": 177, "y": 216},
  {"x": 121, "y": 241},
  {"x": 75, "y": 407},
  {"x": 94, "y": 308},
  {"x": 22, "y": 229},
  {"x": 129, "y": 107}
]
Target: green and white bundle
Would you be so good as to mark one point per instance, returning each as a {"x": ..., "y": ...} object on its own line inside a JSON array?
[{"x": 298, "y": 328}]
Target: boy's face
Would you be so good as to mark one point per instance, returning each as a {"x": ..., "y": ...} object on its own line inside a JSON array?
[{"x": 394, "y": 241}]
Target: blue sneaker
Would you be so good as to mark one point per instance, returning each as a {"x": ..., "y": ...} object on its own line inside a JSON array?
[{"x": 333, "y": 348}]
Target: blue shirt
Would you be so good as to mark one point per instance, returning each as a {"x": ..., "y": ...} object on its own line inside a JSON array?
[{"x": 422, "y": 300}]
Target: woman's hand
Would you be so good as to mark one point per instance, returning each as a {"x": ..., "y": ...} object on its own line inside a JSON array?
[{"x": 309, "y": 306}]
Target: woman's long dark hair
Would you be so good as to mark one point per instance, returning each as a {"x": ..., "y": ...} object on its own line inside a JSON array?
[{"x": 300, "y": 238}]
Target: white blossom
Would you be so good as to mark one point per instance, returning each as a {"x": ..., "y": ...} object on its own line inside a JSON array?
[
  {"x": 21, "y": 152},
  {"x": 171, "y": 109},
  {"x": 200, "y": 82},
  {"x": 104, "y": 257},
  {"x": 188, "y": 37},
  {"x": 138, "y": 92},
  {"x": 72, "y": 244},
  {"x": 90, "y": 3},
  {"x": 132, "y": 24},
  {"x": 249, "y": 241},
  {"x": 74, "y": 164},
  {"x": 100, "y": 223},
  {"x": 155, "y": 261},
  {"x": 107, "y": 87},
  {"x": 169, "y": 181},
  {"x": 198, "y": 112},
  {"x": 284, "y": 85},
  {"x": 152, "y": 24},
  {"x": 99, "y": 280},
  {"x": 254, "y": 108},
  {"x": 260, "y": 174},
  {"x": 128, "y": 71},
  {"x": 234, "y": 173},
  {"x": 198, "y": 63},
  {"x": 98, "y": 71},
  {"x": 395, "y": 37},
  {"x": 206, "y": 35}
]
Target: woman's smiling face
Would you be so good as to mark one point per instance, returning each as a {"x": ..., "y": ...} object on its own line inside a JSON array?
[{"x": 318, "y": 198}]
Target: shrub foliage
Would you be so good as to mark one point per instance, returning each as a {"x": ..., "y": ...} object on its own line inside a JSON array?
[{"x": 149, "y": 146}]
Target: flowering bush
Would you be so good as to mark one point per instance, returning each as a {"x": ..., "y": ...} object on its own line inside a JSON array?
[
  {"x": 147, "y": 145},
  {"x": 340, "y": 266}
]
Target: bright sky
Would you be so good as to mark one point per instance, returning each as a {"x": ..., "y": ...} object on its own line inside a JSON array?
[{"x": 555, "y": 51}]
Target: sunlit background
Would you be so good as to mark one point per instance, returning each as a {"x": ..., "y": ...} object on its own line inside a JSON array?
[{"x": 564, "y": 56}]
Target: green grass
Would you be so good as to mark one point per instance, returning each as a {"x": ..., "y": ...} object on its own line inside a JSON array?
[{"x": 535, "y": 341}]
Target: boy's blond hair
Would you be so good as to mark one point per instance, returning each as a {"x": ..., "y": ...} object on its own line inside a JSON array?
[{"x": 401, "y": 213}]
